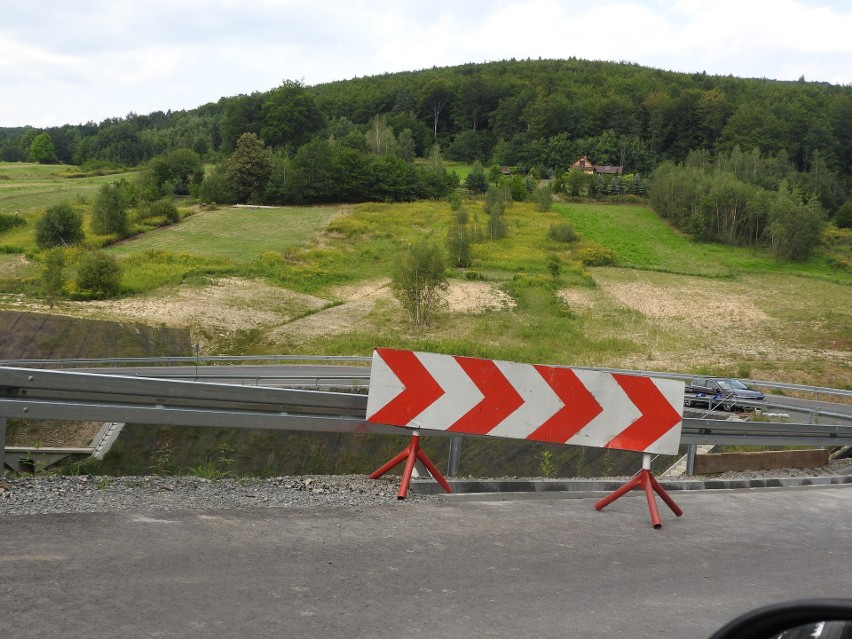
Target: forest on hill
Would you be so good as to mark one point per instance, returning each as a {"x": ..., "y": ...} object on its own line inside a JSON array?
[{"x": 357, "y": 140}]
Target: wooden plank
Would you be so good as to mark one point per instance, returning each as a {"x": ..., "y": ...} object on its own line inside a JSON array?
[{"x": 763, "y": 460}]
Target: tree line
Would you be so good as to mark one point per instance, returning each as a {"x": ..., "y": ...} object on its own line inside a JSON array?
[
  {"x": 741, "y": 198},
  {"x": 528, "y": 114}
]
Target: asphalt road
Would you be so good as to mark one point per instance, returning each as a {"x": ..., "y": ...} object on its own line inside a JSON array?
[{"x": 453, "y": 568}]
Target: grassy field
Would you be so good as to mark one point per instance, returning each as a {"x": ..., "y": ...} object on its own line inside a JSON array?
[
  {"x": 27, "y": 188},
  {"x": 239, "y": 235},
  {"x": 642, "y": 240},
  {"x": 313, "y": 280}
]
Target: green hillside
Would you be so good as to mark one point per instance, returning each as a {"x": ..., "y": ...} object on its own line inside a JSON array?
[
  {"x": 313, "y": 281},
  {"x": 711, "y": 233},
  {"x": 27, "y": 187}
]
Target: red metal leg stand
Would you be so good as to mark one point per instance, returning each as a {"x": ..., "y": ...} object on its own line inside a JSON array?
[
  {"x": 411, "y": 454},
  {"x": 650, "y": 485}
]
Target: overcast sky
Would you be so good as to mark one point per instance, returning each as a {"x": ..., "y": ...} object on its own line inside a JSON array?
[{"x": 71, "y": 62}]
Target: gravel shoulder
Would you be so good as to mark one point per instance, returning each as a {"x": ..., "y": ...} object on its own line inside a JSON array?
[{"x": 49, "y": 494}]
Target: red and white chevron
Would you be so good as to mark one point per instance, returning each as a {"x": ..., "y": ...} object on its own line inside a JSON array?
[{"x": 525, "y": 401}]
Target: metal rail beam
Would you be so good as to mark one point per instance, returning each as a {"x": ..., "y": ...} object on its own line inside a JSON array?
[
  {"x": 34, "y": 384},
  {"x": 47, "y": 410},
  {"x": 720, "y": 432},
  {"x": 212, "y": 359},
  {"x": 63, "y": 395}
]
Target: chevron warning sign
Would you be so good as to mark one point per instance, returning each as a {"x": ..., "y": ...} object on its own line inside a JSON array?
[{"x": 525, "y": 401}]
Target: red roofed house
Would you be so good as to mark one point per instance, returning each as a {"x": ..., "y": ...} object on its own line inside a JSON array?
[{"x": 584, "y": 165}]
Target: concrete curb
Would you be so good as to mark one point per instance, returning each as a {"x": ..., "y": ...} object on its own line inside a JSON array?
[{"x": 576, "y": 488}]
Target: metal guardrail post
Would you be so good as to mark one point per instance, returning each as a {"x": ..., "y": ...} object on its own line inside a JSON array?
[
  {"x": 2, "y": 446},
  {"x": 691, "y": 450},
  {"x": 455, "y": 456}
]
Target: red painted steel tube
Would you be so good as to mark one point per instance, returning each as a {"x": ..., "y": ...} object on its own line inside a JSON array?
[
  {"x": 413, "y": 449},
  {"x": 652, "y": 502},
  {"x": 646, "y": 480},
  {"x": 432, "y": 470},
  {"x": 626, "y": 488},
  {"x": 393, "y": 462},
  {"x": 411, "y": 454},
  {"x": 665, "y": 496}
]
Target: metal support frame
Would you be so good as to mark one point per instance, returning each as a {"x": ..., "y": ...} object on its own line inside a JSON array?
[
  {"x": 646, "y": 480},
  {"x": 691, "y": 451},
  {"x": 40, "y": 394},
  {"x": 410, "y": 455},
  {"x": 454, "y": 456},
  {"x": 2, "y": 446}
]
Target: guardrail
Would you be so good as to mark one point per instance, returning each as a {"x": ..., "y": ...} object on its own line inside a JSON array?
[
  {"x": 206, "y": 368},
  {"x": 42, "y": 394},
  {"x": 185, "y": 360},
  {"x": 189, "y": 360}
]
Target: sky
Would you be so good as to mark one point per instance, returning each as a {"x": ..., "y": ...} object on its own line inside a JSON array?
[{"x": 74, "y": 62}]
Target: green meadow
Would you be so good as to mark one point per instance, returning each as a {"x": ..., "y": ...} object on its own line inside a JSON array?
[
  {"x": 28, "y": 188},
  {"x": 640, "y": 239},
  {"x": 665, "y": 302}
]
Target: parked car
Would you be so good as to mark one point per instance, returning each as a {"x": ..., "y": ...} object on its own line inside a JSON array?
[{"x": 721, "y": 392}]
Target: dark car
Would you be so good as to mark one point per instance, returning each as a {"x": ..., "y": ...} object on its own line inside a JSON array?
[{"x": 721, "y": 392}]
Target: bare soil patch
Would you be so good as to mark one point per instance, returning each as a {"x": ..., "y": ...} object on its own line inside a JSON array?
[
  {"x": 222, "y": 307},
  {"x": 350, "y": 314},
  {"x": 14, "y": 266},
  {"x": 52, "y": 434},
  {"x": 477, "y": 297},
  {"x": 713, "y": 307},
  {"x": 576, "y": 298},
  {"x": 229, "y": 305},
  {"x": 359, "y": 302},
  {"x": 681, "y": 321}
]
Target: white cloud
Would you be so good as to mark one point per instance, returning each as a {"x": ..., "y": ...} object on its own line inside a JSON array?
[{"x": 72, "y": 63}]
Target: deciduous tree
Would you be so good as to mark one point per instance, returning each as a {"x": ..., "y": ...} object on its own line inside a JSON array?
[
  {"x": 248, "y": 168},
  {"x": 41, "y": 150},
  {"x": 419, "y": 281},
  {"x": 290, "y": 116},
  {"x": 458, "y": 244},
  {"x": 795, "y": 229},
  {"x": 53, "y": 275},
  {"x": 109, "y": 210},
  {"x": 434, "y": 98},
  {"x": 178, "y": 172}
]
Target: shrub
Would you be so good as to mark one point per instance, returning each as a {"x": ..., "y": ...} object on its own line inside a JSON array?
[
  {"x": 843, "y": 217},
  {"x": 476, "y": 181},
  {"x": 60, "y": 225},
  {"x": 554, "y": 265},
  {"x": 594, "y": 254},
  {"x": 214, "y": 187},
  {"x": 163, "y": 208},
  {"x": 562, "y": 232},
  {"x": 544, "y": 198},
  {"x": 98, "y": 275},
  {"x": 9, "y": 221}
]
